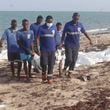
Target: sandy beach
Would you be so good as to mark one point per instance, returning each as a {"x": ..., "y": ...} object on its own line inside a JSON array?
[{"x": 64, "y": 93}]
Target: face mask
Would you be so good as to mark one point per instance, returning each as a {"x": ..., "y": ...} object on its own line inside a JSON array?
[{"x": 49, "y": 24}]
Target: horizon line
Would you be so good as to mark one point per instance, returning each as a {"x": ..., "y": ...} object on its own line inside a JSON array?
[{"x": 48, "y": 11}]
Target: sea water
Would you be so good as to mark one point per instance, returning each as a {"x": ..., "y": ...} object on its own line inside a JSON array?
[{"x": 91, "y": 20}]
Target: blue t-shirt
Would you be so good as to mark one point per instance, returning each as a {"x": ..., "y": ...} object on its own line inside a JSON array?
[
  {"x": 58, "y": 37},
  {"x": 47, "y": 38},
  {"x": 35, "y": 28},
  {"x": 10, "y": 36},
  {"x": 26, "y": 39},
  {"x": 72, "y": 32}
]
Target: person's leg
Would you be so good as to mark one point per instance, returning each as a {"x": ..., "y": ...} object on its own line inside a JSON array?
[
  {"x": 51, "y": 62},
  {"x": 44, "y": 62},
  {"x": 19, "y": 64},
  {"x": 19, "y": 69},
  {"x": 29, "y": 68},
  {"x": 44, "y": 69},
  {"x": 74, "y": 59},
  {"x": 26, "y": 69},
  {"x": 10, "y": 58},
  {"x": 68, "y": 60},
  {"x": 12, "y": 68}
]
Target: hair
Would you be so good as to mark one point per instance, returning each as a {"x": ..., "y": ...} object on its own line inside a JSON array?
[
  {"x": 13, "y": 21},
  {"x": 58, "y": 23},
  {"x": 49, "y": 17},
  {"x": 39, "y": 17},
  {"x": 76, "y": 14},
  {"x": 25, "y": 20}
]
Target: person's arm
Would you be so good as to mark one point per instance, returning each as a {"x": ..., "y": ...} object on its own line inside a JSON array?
[
  {"x": 38, "y": 42},
  {"x": 4, "y": 37},
  {"x": 87, "y": 36},
  {"x": 38, "y": 45},
  {"x": 63, "y": 36},
  {"x": 18, "y": 39},
  {"x": 32, "y": 45},
  {"x": 1, "y": 42}
]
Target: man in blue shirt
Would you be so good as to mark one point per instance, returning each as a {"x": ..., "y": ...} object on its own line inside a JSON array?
[
  {"x": 12, "y": 46},
  {"x": 71, "y": 39},
  {"x": 46, "y": 37},
  {"x": 25, "y": 39},
  {"x": 35, "y": 27},
  {"x": 58, "y": 34}
]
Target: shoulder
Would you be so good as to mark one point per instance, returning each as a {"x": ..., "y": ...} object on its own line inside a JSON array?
[
  {"x": 67, "y": 24},
  {"x": 31, "y": 32},
  {"x": 19, "y": 32},
  {"x": 42, "y": 27},
  {"x": 32, "y": 25},
  {"x": 80, "y": 24},
  {"x": 54, "y": 27},
  {"x": 7, "y": 30}
]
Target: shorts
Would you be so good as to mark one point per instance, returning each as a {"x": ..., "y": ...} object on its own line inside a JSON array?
[
  {"x": 12, "y": 56},
  {"x": 25, "y": 57}
]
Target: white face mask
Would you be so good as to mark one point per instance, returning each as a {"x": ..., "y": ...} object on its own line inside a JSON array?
[{"x": 49, "y": 24}]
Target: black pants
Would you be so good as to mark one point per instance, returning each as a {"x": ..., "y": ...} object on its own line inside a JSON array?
[
  {"x": 71, "y": 57},
  {"x": 47, "y": 60}
]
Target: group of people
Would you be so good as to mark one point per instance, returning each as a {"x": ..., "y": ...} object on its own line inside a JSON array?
[{"x": 43, "y": 39}]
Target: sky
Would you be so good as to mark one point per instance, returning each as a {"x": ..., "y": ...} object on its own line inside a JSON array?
[{"x": 54, "y": 5}]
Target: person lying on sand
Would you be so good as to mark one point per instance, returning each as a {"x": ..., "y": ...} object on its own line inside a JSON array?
[
  {"x": 25, "y": 38},
  {"x": 12, "y": 46},
  {"x": 71, "y": 36}
]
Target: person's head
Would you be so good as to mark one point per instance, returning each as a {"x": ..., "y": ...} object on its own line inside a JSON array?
[
  {"x": 59, "y": 26},
  {"x": 25, "y": 24},
  {"x": 39, "y": 19},
  {"x": 76, "y": 17},
  {"x": 13, "y": 24},
  {"x": 49, "y": 21}
]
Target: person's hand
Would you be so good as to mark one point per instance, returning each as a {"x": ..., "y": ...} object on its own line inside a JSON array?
[
  {"x": 33, "y": 53},
  {"x": 60, "y": 46},
  {"x": 1, "y": 44},
  {"x": 38, "y": 53},
  {"x": 90, "y": 42}
]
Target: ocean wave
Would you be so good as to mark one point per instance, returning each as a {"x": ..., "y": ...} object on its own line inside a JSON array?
[{"x": 98, "y": 30}]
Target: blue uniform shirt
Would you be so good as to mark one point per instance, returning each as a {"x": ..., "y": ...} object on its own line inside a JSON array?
[
  {"x": 58, "y": 37},
  {"x": 72, "y": 32},
  {"x": 47, "y": 38},
  {"x": 26, "y": 39},
  {"x": 35, "y": 28},
  {"x": 10, "y": 36}
]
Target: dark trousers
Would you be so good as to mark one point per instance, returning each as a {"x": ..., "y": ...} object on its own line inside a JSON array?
[
  {"x": 71, "y": 57},
  {"x": 47, "y": 60}
]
